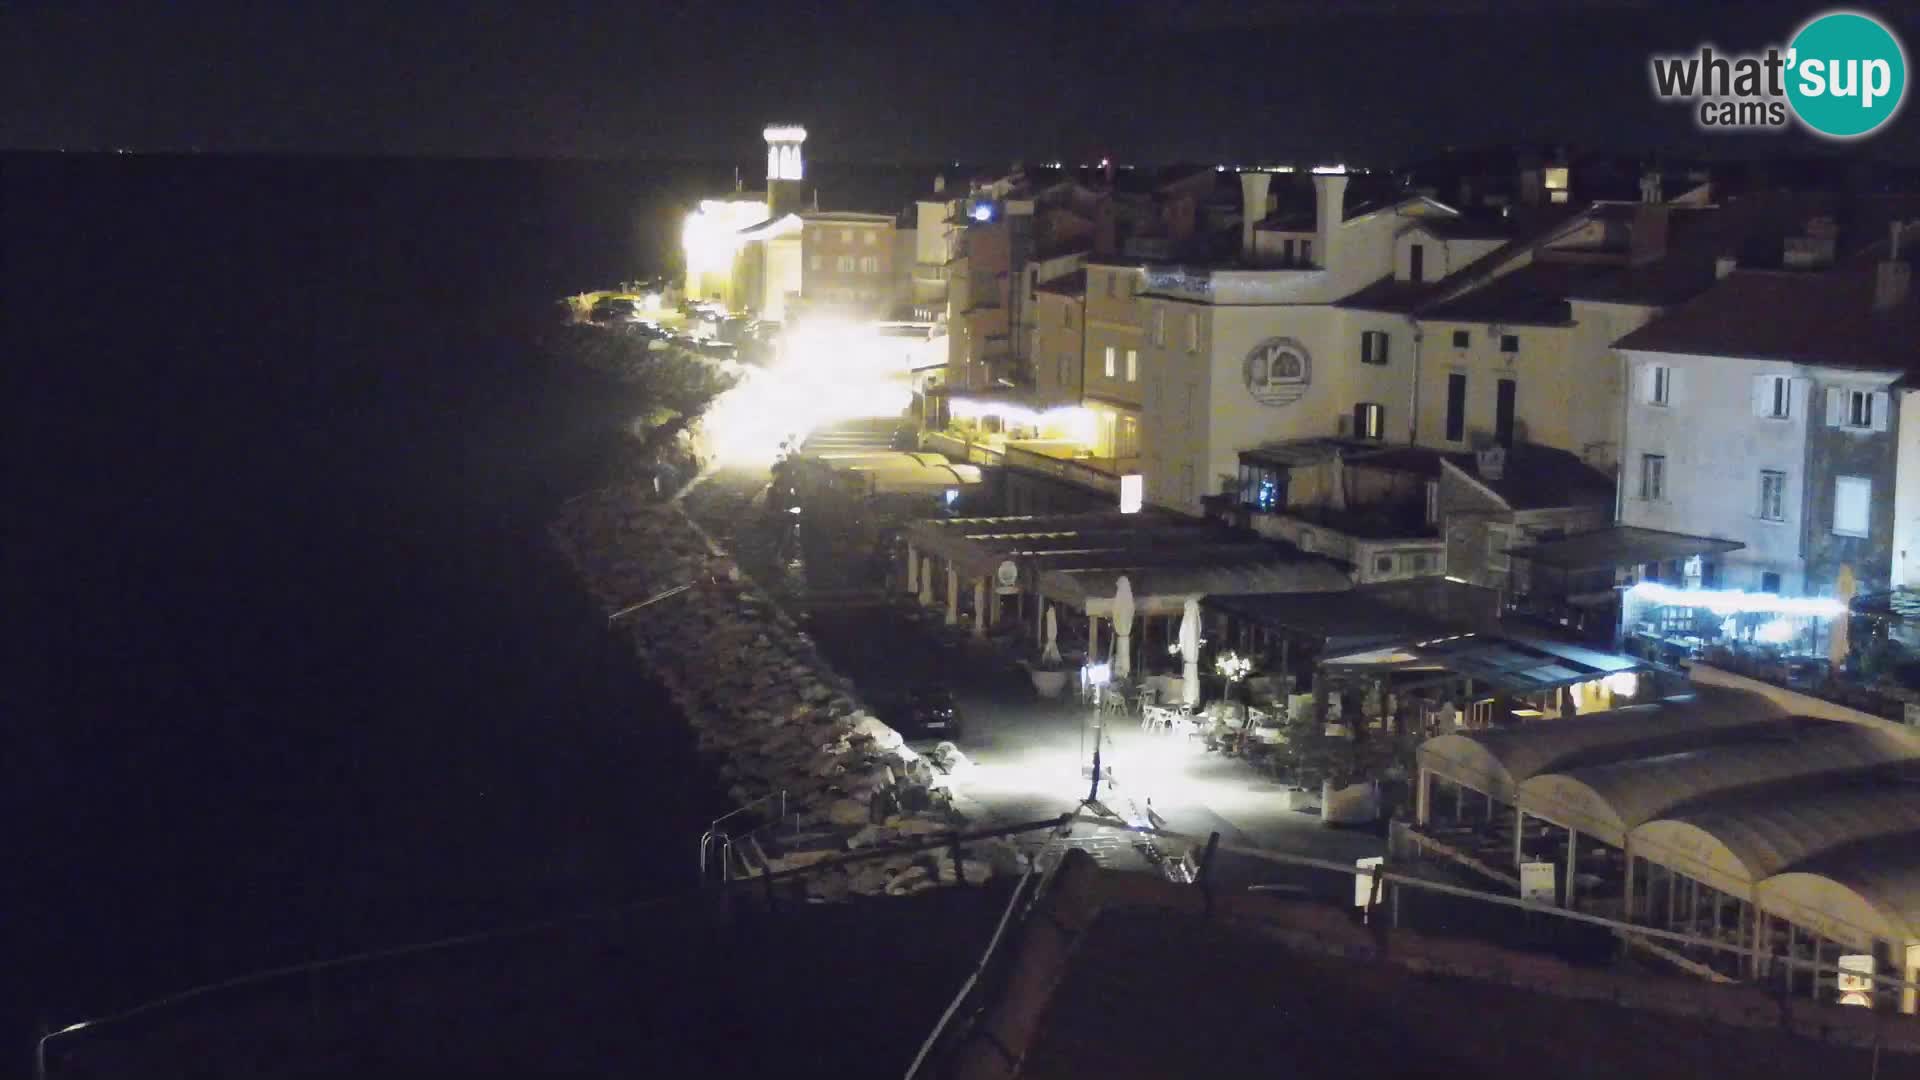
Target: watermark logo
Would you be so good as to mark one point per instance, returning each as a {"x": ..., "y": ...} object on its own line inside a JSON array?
[{"x": 1843, "y": 75}]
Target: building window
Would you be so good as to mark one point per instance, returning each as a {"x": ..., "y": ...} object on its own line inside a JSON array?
[
  {"x": 1456, "y": 406},
  {"x": 1503, "y": 424},
  {"x": 1159, "y": 326},
  {"x": 869, "y": 264},
  {"x": 867, "y": 237},
  {"x": 1417, "y": 262},
  {"x": 1306, "y": 253},
  {"x": 1852, "y": 495},
  {"x": 1112, "y": 356},
  {"x": 1066, "y": 317},
  {"x": 1373, "y": 346},
  {"x": 1659, "y": 385},
  {"x": 1133, "y": 365},
  {"x": 1509, "y": 343},
  {"x": 817, "y": 262},
  {"x": 1772, "y": 396},
  {"x": 1369, "y": 421},
  {"x": 1769, "y": 582},
  {"x": 1773, "y": 495},
  {"x": 844, "y": 264},
  {"x": 1462, "y": 339},
  {"x": 1422, "y": 562},
  {"x": 1066, "y": 370},
  {"x": 1128, "y": 442},
  {"x": 1113, "y": 283},
  {"x": 1383, "y": 564},
  {"x": 846, "y": 237},
  {"x": 1286, "y": 251},
  {"x": 1861, "y": 410},
  {"x": 1653, "y": 477},
  {"x": 1193, "y": 331}
]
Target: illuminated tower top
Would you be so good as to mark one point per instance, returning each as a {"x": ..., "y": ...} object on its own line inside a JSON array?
[
  {"x": 783, "y": 152},
  {"x": 785, "y": 170}
]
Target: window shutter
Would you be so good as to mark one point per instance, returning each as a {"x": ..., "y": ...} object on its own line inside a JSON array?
[
  {"x": 1646, "y": 383},
  {"x": 1836, "y": 406},
  {"x": 1798, "y": 398},
  {"x": 1383, "y": 340},
  {"x": 1675, "y": 386},
  {"x": 1763, "y": 395},
  {"x": 1882, "y": 404}
]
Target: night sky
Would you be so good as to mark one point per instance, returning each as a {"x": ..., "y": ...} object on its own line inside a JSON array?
[{"x": 1370, "y": 81}]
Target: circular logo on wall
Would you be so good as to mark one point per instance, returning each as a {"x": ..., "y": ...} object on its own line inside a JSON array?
[{"x": 1278, "y": 371}]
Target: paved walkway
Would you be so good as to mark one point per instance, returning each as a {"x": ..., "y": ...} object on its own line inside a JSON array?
[{"x": 1031, "y": 757}]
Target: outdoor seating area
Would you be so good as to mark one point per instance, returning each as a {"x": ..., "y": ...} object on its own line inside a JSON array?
[{"x": 1719, "y": 817}]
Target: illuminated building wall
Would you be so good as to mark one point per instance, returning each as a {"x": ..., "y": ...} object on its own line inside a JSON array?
[
  {"x": 847, "y": 264},
  {"x": 711, "y": 242}
]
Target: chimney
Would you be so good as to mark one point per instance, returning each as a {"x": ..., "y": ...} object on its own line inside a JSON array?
[
  {"x": 1894, "y": 277},
  {"x": 1651, "y": 187},
  {"x": 1813, "y": 250},
  {"x": 1329, "y": 210},
  {"x": 1724, "y": 265},
  {"x": 1253, "y": 207}
]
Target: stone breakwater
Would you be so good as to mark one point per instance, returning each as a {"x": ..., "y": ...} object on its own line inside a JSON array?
[{"x": 764, "y": 702}]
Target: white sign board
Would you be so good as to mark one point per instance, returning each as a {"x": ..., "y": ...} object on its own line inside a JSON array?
[
  {"x": 1539, "y": 883},
  {"x": 1363, "y": 879},
  {"x": 1855, "y": 981},
  {"x": 1006, "y": 578},
  {"x": 1133, "y": 492}
]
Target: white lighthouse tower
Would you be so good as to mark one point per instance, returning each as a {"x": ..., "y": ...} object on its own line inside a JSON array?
[{"x": 785, "y": 169}]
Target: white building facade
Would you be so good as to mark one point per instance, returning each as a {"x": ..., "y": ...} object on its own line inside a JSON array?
[{"x": 1717, "y": 446}]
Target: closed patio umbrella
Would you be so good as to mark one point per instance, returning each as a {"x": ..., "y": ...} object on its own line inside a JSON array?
[
  {"x": 1050, "y": 652},
  {"x": 1190, "y": 653},
  {"x": 1122, "y": 628}
]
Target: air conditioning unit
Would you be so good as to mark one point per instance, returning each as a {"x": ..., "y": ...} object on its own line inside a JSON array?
[{"x": 1491, "y": 462}]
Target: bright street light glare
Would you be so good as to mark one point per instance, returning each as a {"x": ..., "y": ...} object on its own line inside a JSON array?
[{"x": 825, "y": 371}]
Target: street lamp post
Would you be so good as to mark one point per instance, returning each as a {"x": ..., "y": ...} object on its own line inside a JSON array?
[{"x": 1098, "y": 676}]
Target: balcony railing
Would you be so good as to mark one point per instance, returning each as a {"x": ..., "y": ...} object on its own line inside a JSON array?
[{"x": 1070, "y": 469}]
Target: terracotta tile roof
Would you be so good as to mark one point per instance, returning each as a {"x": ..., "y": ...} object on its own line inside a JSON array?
[
  {"x": 1074, "y": 285},
  {"x": 1541, "y": 478},
  {"x": 1810, "y": 317},
  {"x": 1534, "y": 295}
]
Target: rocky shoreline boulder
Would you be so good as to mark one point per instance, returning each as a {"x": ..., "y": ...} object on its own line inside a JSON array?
[{"x": 765, "y": 703}]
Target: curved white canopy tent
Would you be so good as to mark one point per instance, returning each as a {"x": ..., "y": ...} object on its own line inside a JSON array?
[
  {"x": 1855, "y": 896},
  {"x": 1734, "y": 846},
  {"x": 1607, "y": 801},
  {"x": 1497, "y": 762}
]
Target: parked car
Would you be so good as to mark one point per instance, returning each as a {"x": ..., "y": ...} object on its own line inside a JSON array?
[
  {"x": 614, "y": 309},
  {"x": 931, "y": 714}
]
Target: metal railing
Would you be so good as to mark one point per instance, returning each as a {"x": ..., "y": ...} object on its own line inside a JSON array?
[
  {"x": 1068, "y": 469},
  {"x": 717, "y": 844}
]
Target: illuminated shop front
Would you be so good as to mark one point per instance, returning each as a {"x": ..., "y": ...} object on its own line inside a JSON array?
[{"x": 1674, "y": 622}]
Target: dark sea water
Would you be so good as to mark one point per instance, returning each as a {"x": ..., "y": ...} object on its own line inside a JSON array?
[{"x": 293, "y": 670}]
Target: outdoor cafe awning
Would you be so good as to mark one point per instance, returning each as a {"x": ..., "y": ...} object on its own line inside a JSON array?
[
  {"x": 1078, "y": 559},
  {"x": 1620, "y": 545},
  {"x": 1370, "y": 615},
  {"x": 1509, "y": 664}
]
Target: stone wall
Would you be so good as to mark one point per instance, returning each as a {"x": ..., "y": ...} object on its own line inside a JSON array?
[{"x": 767, "y": 706}]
